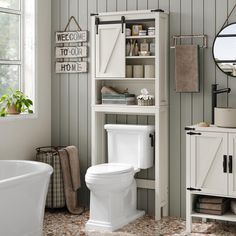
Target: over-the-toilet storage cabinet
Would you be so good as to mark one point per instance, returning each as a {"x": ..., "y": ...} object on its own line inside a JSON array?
[
  {"x": 211, "y": 167},
  {"x": 108, "y": 68}
]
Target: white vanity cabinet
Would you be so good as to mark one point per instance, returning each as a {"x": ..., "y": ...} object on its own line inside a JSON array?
[
  {"x": 208, "y": 153},
  {"x": 210, "y": 168},
  {"x": 232, "y": 164},
  {"x": 109, "y": 62}
]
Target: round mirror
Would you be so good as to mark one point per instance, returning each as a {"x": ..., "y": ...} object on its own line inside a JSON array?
[{"x": 224, "y": 50}]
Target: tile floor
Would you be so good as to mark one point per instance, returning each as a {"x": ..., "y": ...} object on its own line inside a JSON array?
[{"x": 61, "y": 223}]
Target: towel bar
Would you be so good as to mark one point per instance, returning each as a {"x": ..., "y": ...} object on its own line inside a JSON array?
[{"x": 176, "y": 37}]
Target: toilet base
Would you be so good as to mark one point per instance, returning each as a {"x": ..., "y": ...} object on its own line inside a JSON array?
[{"x": 109, "y": 226}]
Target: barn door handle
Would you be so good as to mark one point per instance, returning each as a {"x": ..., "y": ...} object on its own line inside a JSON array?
[
  {"x": 97, "y": 21},
  {"x": 194, "y": 189},
  {"x": 122, "y": 23},
  {"x": 193, "y": 133},
  {"x": 225, "y": 163},
  {"x": 230, "y": 164},
  {"x": 152, "y": 139}
]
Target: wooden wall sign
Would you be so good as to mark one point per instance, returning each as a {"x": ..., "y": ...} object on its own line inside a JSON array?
[
  {"x": 71, "y": 67},
  {"x": 71, "y": 52},
  {"x": 71, "y": 37}
]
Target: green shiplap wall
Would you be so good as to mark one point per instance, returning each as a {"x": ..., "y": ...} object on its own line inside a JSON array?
[{"x": 71, "y": 94}]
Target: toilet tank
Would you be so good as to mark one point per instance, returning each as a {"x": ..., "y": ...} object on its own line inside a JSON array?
[{"x": 131, "y": 144}]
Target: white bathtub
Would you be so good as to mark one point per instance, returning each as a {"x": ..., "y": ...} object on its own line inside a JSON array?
[{"x": 23, "y": 189}]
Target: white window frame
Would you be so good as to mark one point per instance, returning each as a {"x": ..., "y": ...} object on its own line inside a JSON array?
[
  {"x": 19, "y": 62},
  {"x": 28, "y": 86}
]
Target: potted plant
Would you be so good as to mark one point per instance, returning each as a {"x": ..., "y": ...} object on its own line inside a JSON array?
[{"x": 15, "y": 102}]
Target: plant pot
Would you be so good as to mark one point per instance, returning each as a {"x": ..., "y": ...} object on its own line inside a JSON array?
[{"x": 11, "y": 110}]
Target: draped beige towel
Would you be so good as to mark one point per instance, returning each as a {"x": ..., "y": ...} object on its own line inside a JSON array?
[
  {"x": 186, "y": 68},
  {"x": 71, "y": 176}
]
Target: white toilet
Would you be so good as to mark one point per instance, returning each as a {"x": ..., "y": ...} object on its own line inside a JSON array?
[{"x": 112, "y": 185}]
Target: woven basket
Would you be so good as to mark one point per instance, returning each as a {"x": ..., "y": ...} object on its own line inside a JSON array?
[
  {"x": 55, "y": 195},
  {"x": 145, "y": 102}
]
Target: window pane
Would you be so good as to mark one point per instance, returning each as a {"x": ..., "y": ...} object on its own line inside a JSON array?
[
  {"x": 11, "y": 4},
  {"x": 9, "y": 77},
  {"x": 10, "y": 37}
]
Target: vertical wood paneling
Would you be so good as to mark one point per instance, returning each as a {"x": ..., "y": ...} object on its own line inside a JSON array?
[
  {"x": 102, "y": 5},
  {"x": 186, "y": 100},
  {"x": 131, "y": 5},
  {"x": 82, "y": 111},
  {"x": 64, "y": 84},
  {"x": 111, "y": 5},
  {"x": 71, "y": 94},
  {"x": 55, "y": 78},
  {"x": 197, "y": 28},
  {"x": 221, "y": 78},
  {"x": 121, "y": 119},
  {"x": 73, "y": 85},
  {"x": 164, "y": 5},
  {"x": 232, "y": 80},
  {"x": 92, "y": 8},
  {"x": 174, "y": 175},
  {"x": 152, "y": 4},
  {"x": 142, "y": 4},
  {"x": 209, "y": 65},
  {"x": 121, "y": 5}
]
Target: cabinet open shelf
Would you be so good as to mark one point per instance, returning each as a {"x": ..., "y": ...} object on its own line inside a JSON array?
[
  {"x": 228, "y": 216},
  {"x": 128, "y": 109},
  {"x": 141, "y": 37},
  {"x": 140, "y": 57}
]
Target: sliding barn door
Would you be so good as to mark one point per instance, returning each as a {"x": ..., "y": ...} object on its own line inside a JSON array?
[
  {"x": 208, "y": 154},
  {"x": 110, "y": 51}
]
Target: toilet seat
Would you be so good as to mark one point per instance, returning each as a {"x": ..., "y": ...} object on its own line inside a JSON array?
[
  {"x": 110, "y": 174},
  {"x": 110, "y": 169}
]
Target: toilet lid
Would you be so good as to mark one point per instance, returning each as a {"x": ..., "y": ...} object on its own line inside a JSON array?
[{"x": 110, "y": 168}]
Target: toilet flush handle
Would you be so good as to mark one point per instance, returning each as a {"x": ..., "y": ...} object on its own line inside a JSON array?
[{"x": 152, "y": 136}]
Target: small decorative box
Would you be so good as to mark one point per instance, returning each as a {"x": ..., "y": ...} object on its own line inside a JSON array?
[
  {"x": 145, "y": 102},
  {"x": 125, "y": 99}
]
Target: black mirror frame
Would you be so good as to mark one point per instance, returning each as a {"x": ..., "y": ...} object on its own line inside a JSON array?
[{"x": 213, "y": 45}]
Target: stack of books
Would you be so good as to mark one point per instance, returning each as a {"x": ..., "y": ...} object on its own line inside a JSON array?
[
  {"x": 125, "y": 99},
  {"x": 212, "y": 205}
]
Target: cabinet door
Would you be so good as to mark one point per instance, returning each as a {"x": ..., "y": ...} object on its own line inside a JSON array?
[
  {"x": 110, "y": 51},
  {"x": 207, "y": 155},
  {"x": 232, "y": 164}
]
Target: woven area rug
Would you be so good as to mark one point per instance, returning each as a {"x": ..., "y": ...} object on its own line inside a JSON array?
[{"x": 61, "y": 223}]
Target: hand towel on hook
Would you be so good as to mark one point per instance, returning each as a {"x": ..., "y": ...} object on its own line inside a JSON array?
[{"x": 187, "y": 68}]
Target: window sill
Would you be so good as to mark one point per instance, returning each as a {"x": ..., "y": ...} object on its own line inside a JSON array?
[{"x": 22, "y": 116}]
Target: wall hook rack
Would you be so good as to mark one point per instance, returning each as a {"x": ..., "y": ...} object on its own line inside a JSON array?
[{"x": 175, "y": 39}]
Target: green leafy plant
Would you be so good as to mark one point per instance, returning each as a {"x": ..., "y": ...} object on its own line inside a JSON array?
[{"x": 15, "y": 100}]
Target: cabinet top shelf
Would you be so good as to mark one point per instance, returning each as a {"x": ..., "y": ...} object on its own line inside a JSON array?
[
  {"x": 128, "y": 109},
  {"x": 141, "y": 37},
  {"x": 212, "y": 128}
]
